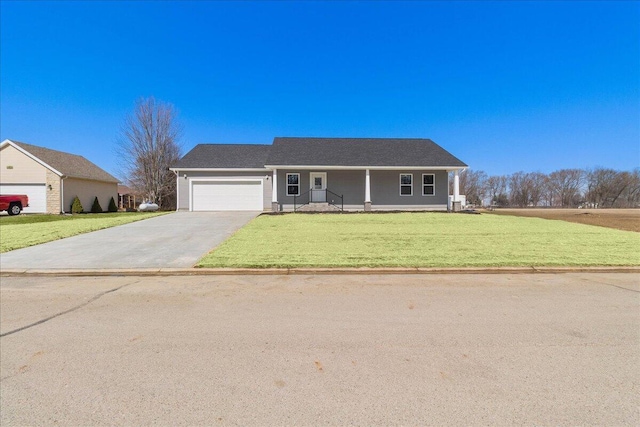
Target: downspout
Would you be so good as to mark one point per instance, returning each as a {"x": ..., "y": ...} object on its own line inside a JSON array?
[
  {"x": 177, "y": 190},
  {"x": 62, "y": 178}
]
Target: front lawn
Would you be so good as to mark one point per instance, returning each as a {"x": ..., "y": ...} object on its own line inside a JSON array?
[
  {"x": 27, "y": 230},
  {"x": 421, "y": 240}
]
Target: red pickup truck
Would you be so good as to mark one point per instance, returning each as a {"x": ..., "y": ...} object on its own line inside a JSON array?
[{"x": 13, "y": 203}]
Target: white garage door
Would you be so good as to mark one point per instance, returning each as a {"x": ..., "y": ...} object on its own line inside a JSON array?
[
  {"x": 37, "y": 195},
  {"x": 227, "y": 195}
]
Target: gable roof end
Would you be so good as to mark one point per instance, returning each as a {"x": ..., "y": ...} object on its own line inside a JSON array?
[{"x": 64, "y": 164}]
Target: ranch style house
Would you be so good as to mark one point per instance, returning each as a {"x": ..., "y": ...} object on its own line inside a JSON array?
[{"x": 318, "y": 174}]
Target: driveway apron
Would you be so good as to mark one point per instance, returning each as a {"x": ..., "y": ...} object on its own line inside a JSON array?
[{"x": 176, "y": 240}]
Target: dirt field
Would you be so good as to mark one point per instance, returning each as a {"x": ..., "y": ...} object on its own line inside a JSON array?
[{"x": 622, "y": 219}]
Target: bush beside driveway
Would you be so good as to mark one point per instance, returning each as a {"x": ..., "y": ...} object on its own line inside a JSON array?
[{"x": 421, "y": 240}]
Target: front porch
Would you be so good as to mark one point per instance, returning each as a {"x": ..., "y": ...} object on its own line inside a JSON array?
[
  {"x": 318, "y": 200},
  {"x": 325, "y": 189}
]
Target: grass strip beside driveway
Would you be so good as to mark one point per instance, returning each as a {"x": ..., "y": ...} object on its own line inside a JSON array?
[
  {"x": 27, "y": 230},
  {"x": 421, "y": 240}
]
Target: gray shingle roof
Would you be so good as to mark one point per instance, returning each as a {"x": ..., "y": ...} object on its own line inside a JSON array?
[
  {"x": 360, "y": 152},
  {"x": 70, "y": 165},
  {"x": 348, "y": 152},
  {"x": 246, "y": 156}
]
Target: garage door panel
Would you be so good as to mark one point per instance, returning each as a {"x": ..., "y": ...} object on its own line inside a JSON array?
[
  {"x": 227, "y": 195},
  {"x": 37, "y": 194}
]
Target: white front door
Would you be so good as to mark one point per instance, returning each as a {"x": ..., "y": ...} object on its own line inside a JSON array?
[{"x": 318, "y": 182}]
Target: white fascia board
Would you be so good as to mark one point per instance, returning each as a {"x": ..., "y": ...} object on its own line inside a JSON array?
[
  {"x": 218, "y": 179},
  {"x": 305, "y": 167},
  {"x": 220, "y": 169},
  {"x": 31, "y": 156}
]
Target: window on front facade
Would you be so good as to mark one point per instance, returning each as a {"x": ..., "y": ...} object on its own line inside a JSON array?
[
  {"x": 406, "y": 184},
  {"x": 428, "y": 184},
  {"x": 293, "y": 184}
]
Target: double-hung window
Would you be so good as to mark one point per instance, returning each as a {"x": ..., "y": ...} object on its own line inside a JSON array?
[
  {"x": 406, "y": 184},
  {"x": 293, "y": 184},
  {"x": 428, "y": 184}
]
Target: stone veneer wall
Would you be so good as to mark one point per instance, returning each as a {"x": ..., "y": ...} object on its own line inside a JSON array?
[{"x": 53, "y": 194}]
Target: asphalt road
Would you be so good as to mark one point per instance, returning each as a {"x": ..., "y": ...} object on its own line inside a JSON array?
[
  {"x": 175, "y": 240},
  {"x": 540, "y": 349}
]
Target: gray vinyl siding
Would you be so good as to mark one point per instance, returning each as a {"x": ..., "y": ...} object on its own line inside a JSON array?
[
  {"x": 385, "y": 188},
  {"x": 183, "y": 184},
  {"x": 349, "y": 184}
]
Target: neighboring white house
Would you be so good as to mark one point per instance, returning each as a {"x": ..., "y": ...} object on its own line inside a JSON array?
[{"x": 53, "y": 178}]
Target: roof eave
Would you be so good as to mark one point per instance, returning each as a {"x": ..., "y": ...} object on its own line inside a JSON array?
[
  {"x": 264, "y": 169},
  {"x": 110, "y": 181},
  {"x": 430, "y": 167}
]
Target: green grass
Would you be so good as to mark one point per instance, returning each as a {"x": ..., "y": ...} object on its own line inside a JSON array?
[
  {"x": 27, "y": 230},
  {"x": 421, "y": 240}
]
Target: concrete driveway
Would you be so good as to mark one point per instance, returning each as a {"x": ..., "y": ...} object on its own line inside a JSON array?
[
  {"x": 423, "y": 350},
  {"x": 175, "y": 240}
]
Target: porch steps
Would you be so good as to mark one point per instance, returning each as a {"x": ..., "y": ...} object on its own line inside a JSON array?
[{"x": 318, "y": 207}]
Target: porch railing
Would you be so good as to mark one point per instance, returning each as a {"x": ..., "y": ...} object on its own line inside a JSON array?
[
  {"x": 332, "y": 202},
  {"x": 318, "y": 196}
]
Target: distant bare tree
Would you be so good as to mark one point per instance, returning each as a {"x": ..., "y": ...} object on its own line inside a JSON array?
[
  {"x": 621, "y": 184},
  {"x": 496, "y": 186},
  {"x": 519, "y": 190},
  {"x": 148, "y": 146},
  {"x": 566, "y": 185},
  {"x": 473, "y": 186},
  {"x": 548, "y": 194},
  {"x": 601, "y": 186},
  {"x": 632, "y": 193},
  {"x": 537, "y": 183},
  {"x": 605, "y": 187}
]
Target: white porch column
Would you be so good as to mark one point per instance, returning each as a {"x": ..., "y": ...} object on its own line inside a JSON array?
[
  {"x": 456, "y": 185},
  {"x": 275, "y": 207},
  {"x": 367, "y": 191},
  {"x": 456, "y": 190}
]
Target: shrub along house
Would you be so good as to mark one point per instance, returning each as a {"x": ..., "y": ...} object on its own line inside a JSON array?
[
  {"x": 52, "y": 179},
  {"x": 318, "y": 174}
]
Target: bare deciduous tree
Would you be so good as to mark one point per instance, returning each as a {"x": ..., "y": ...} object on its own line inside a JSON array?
[
  {"x": 632, "y": 193},
  {"x": 497, "y": 190},
  {"x": 566, "y": 185},
  {"x": 609, "y": 188},
  {"x": 537, "y": 182},
  {"x": 527, "y": 189},
  {"x": 148, "y": 146},
  {"x": 473, "y": 185},
  {"x": 519, "y": 190}
]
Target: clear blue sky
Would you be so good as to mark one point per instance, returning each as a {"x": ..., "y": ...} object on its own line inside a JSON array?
[{"x": 505, "y": 86}]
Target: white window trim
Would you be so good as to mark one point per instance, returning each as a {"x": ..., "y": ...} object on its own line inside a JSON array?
[
  {"x": 401, "y": 184},
  {"x": 433, "y": 185},
  {"x": 286, "y": 182}
]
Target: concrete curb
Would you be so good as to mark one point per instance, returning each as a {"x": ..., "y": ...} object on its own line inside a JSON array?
[{"x": 308, "y": 271}]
